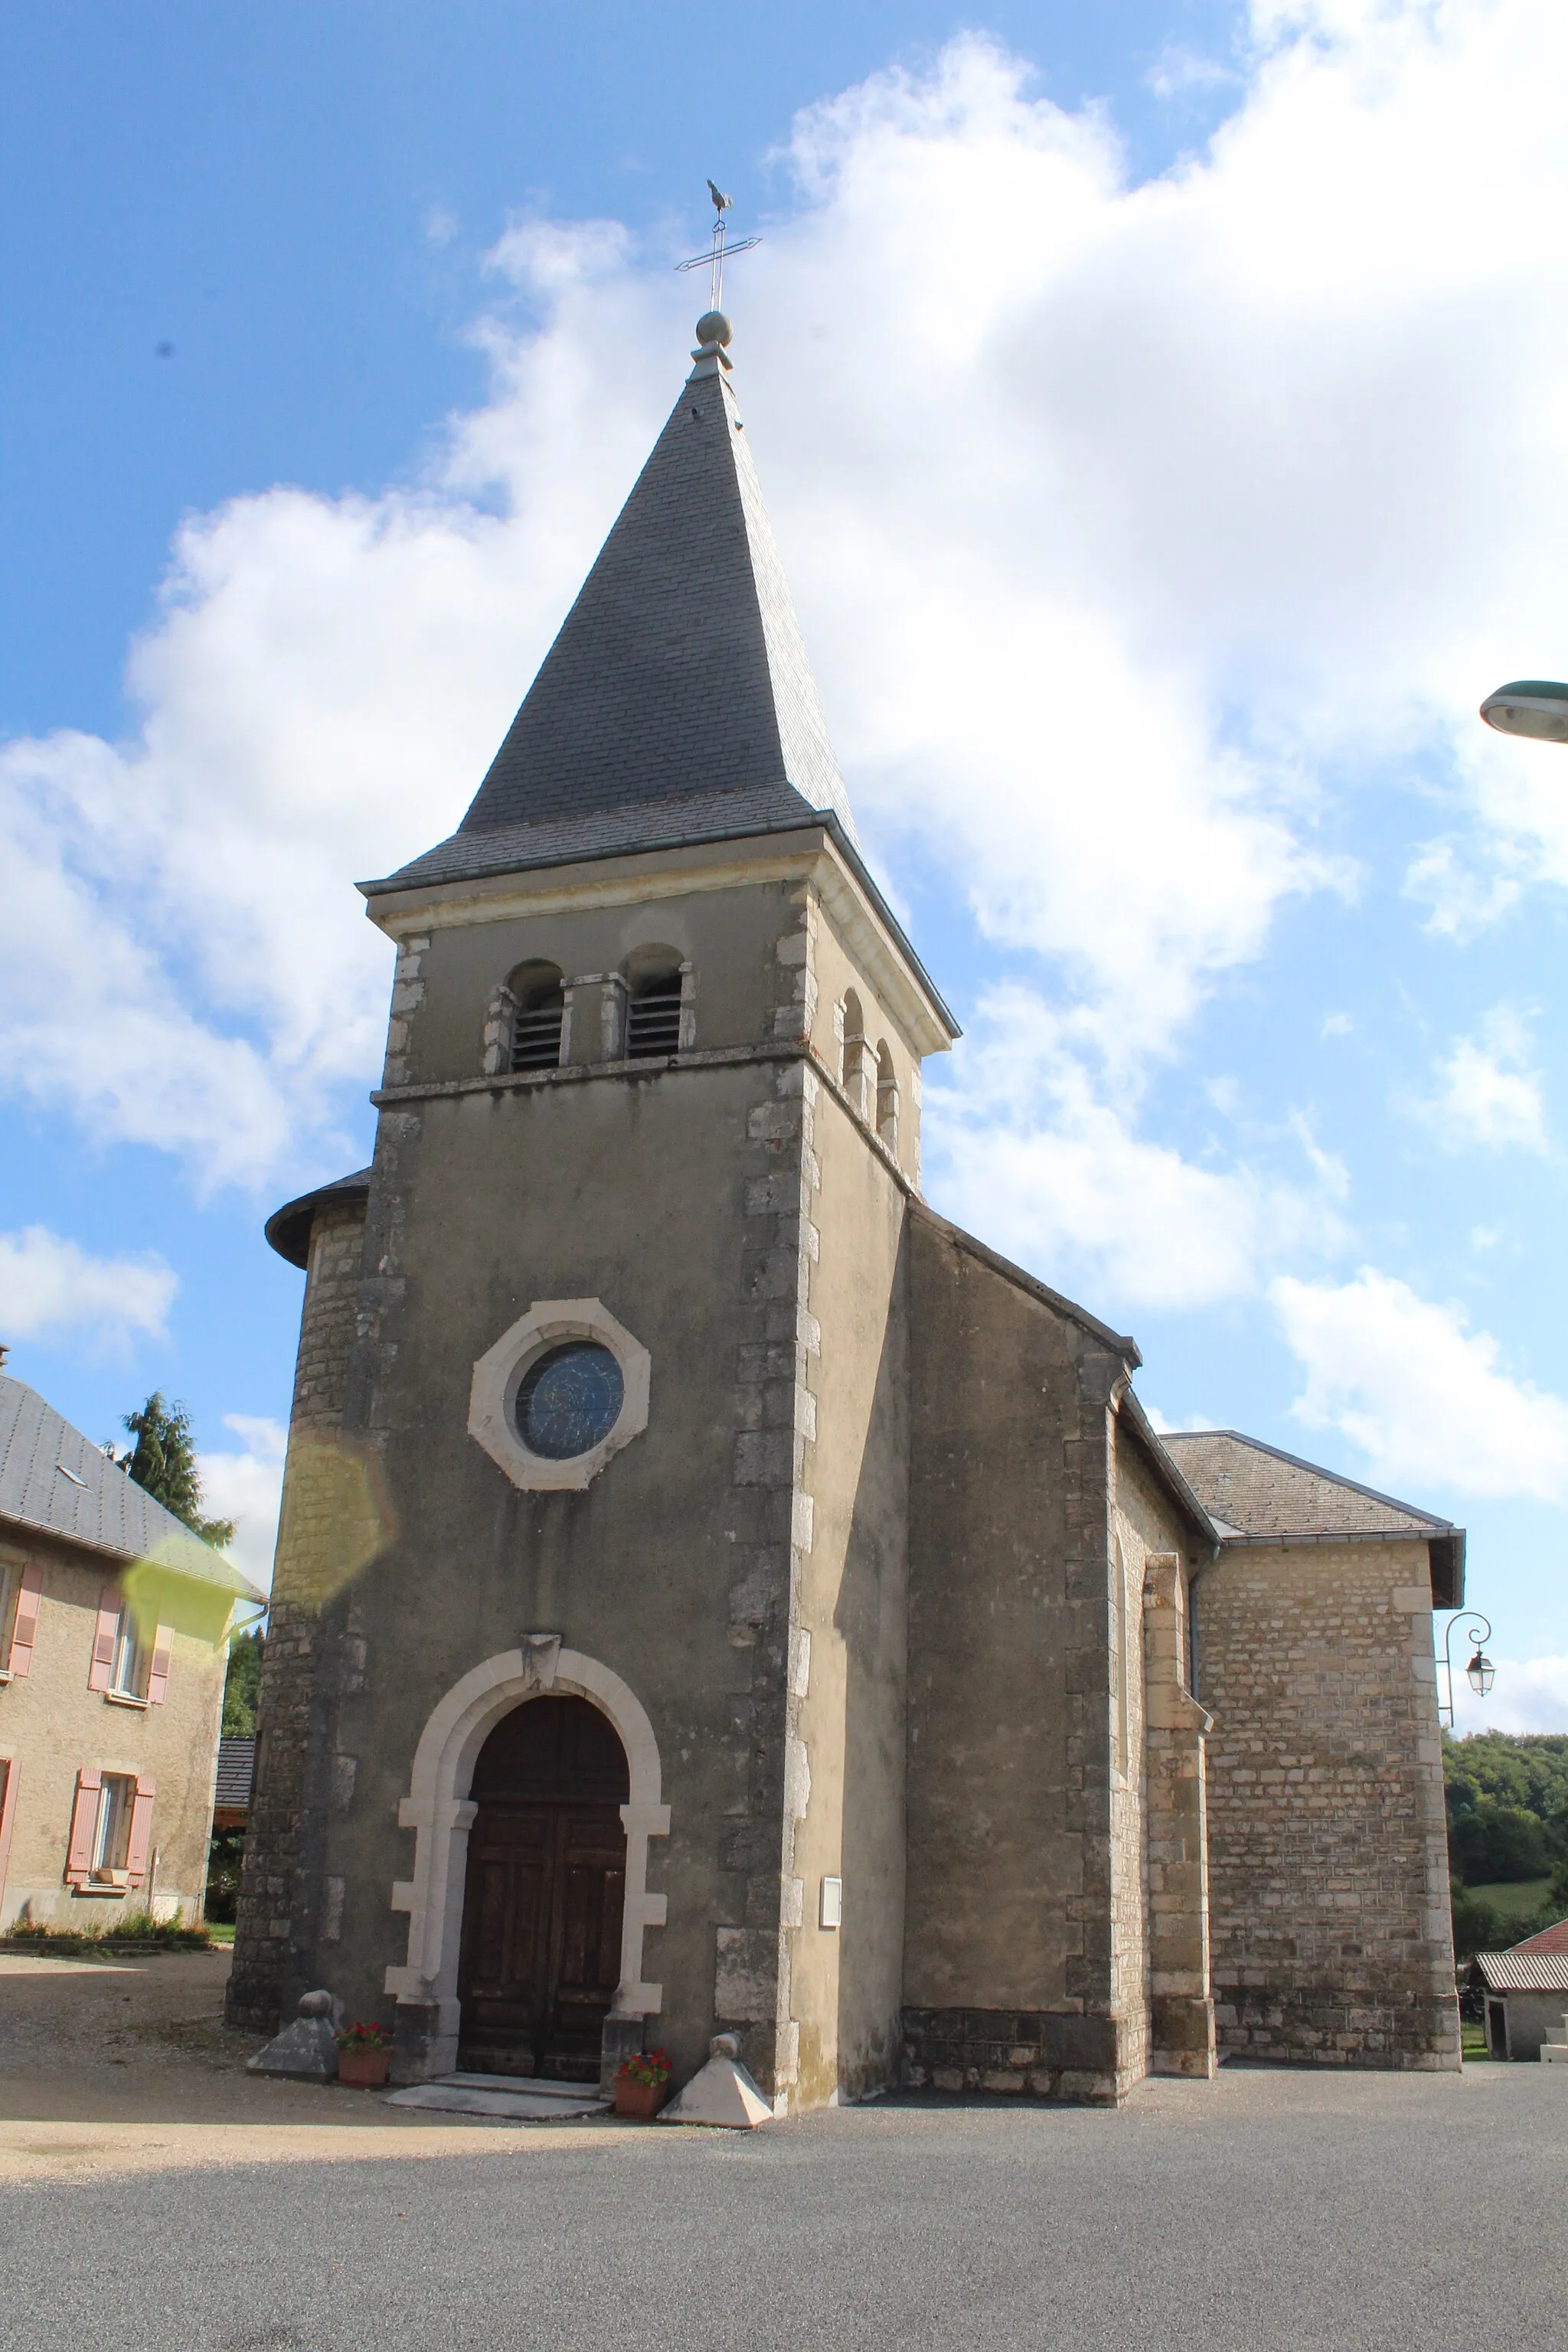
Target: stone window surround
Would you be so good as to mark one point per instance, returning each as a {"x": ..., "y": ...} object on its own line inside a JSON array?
[
  {"x": 440, "y": 1812},
  {"x": 499, "y": 1373},
  {"x": 614, "y": 989}
]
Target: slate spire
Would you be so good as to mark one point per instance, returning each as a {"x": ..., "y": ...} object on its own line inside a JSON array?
[{"x": 677, "y": 703}]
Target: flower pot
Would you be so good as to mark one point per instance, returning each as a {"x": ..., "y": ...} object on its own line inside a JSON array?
[
  {"x": 363, "y": 2069},
  {"x": 642, "y": 2100}
]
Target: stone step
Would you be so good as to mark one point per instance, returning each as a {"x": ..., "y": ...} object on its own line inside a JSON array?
[{"x": 522, "y": 2098}]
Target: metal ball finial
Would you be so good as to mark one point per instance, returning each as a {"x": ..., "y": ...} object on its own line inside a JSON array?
[{"x": 713, "y": 328}]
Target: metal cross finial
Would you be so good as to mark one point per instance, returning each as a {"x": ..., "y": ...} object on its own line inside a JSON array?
[{"x": 722, "y": 246}]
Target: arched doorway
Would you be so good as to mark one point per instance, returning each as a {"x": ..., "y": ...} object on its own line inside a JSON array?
[{"x": 545, "y": 1886}]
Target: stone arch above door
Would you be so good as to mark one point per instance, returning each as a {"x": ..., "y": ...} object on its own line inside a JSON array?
[{"x": 440, "y": 1812}]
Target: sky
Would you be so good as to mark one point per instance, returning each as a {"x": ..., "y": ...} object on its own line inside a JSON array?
[{"x": 1160, "y": 409}]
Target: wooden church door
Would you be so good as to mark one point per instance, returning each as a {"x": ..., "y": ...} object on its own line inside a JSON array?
[{"x": 546, "y": 1881}]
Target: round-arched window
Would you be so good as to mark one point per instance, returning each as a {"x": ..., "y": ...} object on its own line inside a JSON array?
[{"x": 570, "y": 1400}]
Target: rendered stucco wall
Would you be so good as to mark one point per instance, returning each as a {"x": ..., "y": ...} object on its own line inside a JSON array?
[
  {"x": 1328, "y": 1855},
  {"x": 1007, "y": 1966},
  {"x": 850, "y": 1608}
]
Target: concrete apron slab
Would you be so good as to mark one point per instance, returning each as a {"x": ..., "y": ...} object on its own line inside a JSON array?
[{"x": 521, "y": 2096}]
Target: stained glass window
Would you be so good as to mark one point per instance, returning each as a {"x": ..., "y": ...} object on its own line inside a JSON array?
[{"x": 570, "y": 1401}]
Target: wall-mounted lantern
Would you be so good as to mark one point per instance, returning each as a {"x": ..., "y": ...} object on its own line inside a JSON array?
[{"x": 1481, "y": 1674}]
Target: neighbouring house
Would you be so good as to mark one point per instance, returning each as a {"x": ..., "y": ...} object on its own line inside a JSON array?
[
  {"x": 712, "y": 1591},
  {"x": 1526, "y": 1991},
  {"x": 114, "y": 1627}
]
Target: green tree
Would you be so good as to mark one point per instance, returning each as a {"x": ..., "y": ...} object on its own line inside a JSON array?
[
  {"x": 1490, "y": 1842},
  {"x": 242, "y": 1685},
  {"x": 163, "y": 1460}
]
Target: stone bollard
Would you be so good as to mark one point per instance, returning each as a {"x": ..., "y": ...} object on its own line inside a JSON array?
[{"x": 308, "y": 2049}]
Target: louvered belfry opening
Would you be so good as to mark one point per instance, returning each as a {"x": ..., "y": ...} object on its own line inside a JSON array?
[
  {"x": 653, "y": 1014},
  {"x": 536, "y": 1024}
]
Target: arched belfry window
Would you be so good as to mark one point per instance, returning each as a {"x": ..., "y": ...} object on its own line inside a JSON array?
[
  {"x": 852, "y": 1069},
  {"x": 887, "y": 1097},
  {"x": 541, "y": 1003},
  {"x": 655, "y": 998}
]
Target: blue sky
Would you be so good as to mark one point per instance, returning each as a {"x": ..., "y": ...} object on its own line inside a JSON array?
[{"x": 1160, "y": 409}]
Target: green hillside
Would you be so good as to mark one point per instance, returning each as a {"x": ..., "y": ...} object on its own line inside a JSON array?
[{"x": 1506, "y": 1797}]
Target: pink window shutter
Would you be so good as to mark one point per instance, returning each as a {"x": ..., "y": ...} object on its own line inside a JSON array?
[
  {"x": 141, "y": 1831},
  {"x": 158, "y": 1675},
  {"x": 103, "y": 1641},
  {"x": 8, "y": 1769},
  {"x": 25, "y": 1624},
  {"x": 84, "y": 1821}
]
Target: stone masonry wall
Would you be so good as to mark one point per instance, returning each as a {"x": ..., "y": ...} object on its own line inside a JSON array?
[
  {"x": 1328, "y": 1872},
  {"x": 320, "y": 1530}
]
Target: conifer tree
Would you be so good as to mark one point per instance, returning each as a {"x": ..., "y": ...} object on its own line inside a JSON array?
[{"x": 164, "y": 1462}]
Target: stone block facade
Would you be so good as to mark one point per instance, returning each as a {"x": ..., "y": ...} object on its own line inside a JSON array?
[{"x": 1328, "y": 1852}]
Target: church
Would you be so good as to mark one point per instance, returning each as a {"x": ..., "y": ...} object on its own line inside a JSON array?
[{"x": 715, "y": 1593}]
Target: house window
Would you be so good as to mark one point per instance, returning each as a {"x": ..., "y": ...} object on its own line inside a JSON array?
[
  {"x": 656, "y": 997},
  {"x": 10, "y": 1592},
  {"x": 130, "y": 1657},
  {"x": 131, "y": 1667},
  {"x": 112, "y": 1829},
  {"x": 540, "y": 1001}
]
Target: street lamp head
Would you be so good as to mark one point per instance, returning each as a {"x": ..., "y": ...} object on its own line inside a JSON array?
[
  {"x": 1481, "y": 1674},
  {"x": 1537, "y": 707}
]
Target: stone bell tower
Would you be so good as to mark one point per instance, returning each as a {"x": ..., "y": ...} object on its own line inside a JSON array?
[{"x": 603, "y": 1391}]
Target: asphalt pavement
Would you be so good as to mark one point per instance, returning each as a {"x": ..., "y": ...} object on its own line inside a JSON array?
[{"x": 1351, "y": 2213}]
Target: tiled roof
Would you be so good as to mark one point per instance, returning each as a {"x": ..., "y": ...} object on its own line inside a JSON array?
[
  {"x": 235, "y": 1771},
  {"x": 1523, "y": 1971},
  {"x": 677, "y": 703},
  {"x": 682, "y": 820},
  {"x": 288, "y": 1228},
  {"x": 1255, "y": 1494},
  {"x": 54, "y": 1479},
  {"x": 1261, "y": 1492},
  {"x": 1551, "y": 1939}
]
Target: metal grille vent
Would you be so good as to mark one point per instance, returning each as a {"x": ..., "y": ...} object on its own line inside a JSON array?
[
  {"x": 536, "y": 1035},
  {"x": 653, "y": 1019}
]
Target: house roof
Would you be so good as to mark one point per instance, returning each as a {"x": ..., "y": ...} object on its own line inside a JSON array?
[
  {"x": 677, "y": 703},
  {"x": 288, "y": 1228},
  {"x": 1551, "y": 1939},
  {"x": 1256, "y": 1494},
  {"x": 236, "y": 1771},
  {"x": 58, "y": 1482},
  {"x": 1523, "y": 1971}
]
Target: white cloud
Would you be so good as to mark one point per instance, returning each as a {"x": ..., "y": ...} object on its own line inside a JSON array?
[
  {"x": 49, "y": 1286},
  {"x": 1529, "y": 1694},
  {"x": 1114, "y": 513},
  {"x": 1487, "y": 1100},
  {"x": 1028, "y": 1148},
  {"x": 248, "y": 1487},
  {"x": 1165, "y": 1426},
  {"x": 1427, "y": 1400}
]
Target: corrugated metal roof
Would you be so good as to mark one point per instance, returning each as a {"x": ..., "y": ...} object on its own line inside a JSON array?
[
  {"x": 56, "y": 1480},
  {"x": 1519, "y": 1971},
  {"x": 235, "y": 1771}
]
